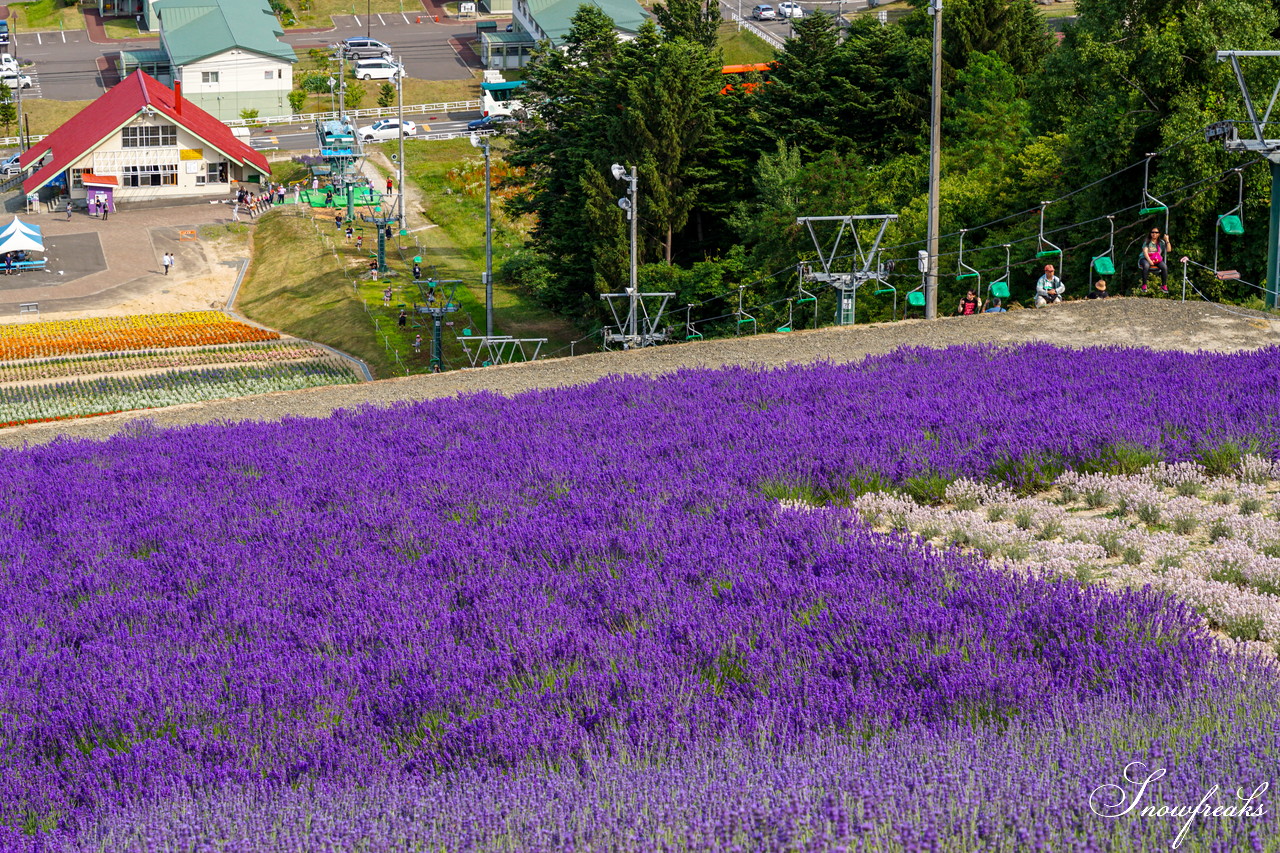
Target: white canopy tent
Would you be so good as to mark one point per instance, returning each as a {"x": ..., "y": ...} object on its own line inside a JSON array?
[{"x": 19, "y": 236}]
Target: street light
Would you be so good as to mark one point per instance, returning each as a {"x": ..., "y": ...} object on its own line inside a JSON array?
[
  {"x": 368, "y": 19},
  {"x": 478, "y": 141},
  {"x": 935, "y": 148},
  {"x": 629, "y": 204}
]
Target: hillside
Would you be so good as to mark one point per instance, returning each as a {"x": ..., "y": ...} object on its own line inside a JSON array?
[{"x": 1155, "y": 323}]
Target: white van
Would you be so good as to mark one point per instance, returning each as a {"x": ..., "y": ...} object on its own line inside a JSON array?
[{"x": 376, "y": 69}]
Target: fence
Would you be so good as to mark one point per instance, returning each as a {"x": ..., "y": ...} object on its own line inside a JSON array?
[{"x": 371, "y": 112}]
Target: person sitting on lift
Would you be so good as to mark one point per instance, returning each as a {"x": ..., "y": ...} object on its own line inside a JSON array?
[
  {"x": 1049, "y": 288},
  {"x": 1155, "y": 253},
  {"x": 970, "y": 305},
  {"x": 1099, "y": 290}
]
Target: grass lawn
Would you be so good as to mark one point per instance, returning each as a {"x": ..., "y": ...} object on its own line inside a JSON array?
[
  {"x": 299, "y": 287},
  {"x": 415, "y": 91},
  {"x": 123, "y": 28},
  {"x": 44, "y": 15},
  {"x": 1064, "y": 9},
  {"x": 742, "y": 47},
  {"x": 45, "y": 116},
  {"x": 319, "y": 13}
]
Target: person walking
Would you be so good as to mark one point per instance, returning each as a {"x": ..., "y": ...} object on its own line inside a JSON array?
[
  {"x": 235, "y": 211},
  {"x": 68, "y": 211},
  {"x": 167, "y": 262},
  {"x": 390, "y": 186},
  {"x": 106, "y": 208}
]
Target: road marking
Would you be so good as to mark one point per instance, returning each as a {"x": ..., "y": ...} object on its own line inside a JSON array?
[
  {"x": 381, "y": 22},
  {"x": 38, "y": 39},
  {"x": 405, "y": 15},
  {"x": 64, "y": 37},
  {"x": 357, "y": 17}
]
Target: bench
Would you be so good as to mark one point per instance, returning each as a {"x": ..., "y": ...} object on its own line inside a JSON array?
[
  {"x": 29, "y": 308},
  {"x": 29, "y": 265}
]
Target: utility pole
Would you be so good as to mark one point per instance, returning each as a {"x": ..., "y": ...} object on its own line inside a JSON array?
[
  {"x": 483, "y": 142},
  {"x": 630, "y": 205},
  {"x": 400, "y": 111},
  {"x": 935, "y": 166},
  {"x": 17, "y": 86}
]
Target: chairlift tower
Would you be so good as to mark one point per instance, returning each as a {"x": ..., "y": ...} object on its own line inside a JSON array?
[
  {"x": 383, "y": 222},
  {"x": 1228, "y": 133},
  {"x": 439, "y": 302},
  {"x": 640, "y": 327},
  {"x": 864, "y": 262}
]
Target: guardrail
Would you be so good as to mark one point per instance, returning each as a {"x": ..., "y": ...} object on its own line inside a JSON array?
[
  {"x": 769, "y": 38},
  {"x": 371, "y": 112}
]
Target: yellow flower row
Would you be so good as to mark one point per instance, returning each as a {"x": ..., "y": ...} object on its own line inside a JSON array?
[{"x": 143, "y": 331}]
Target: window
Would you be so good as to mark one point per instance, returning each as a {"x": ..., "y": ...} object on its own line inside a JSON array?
[
  {"x": 267, "y": 75},
  {"x": 209, "y": 76},
  {"x": 77, "y": 178},
  {"x": 150, "y": 176},
  {"x": 150, "y": 136}
]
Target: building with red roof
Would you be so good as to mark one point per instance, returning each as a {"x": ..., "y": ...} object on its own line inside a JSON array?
[{"x": 141, "y": 141}]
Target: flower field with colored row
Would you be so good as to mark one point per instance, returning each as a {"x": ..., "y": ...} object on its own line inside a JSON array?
[
  {"x": 658, "y": 616},
  {"x": 86, "y": 397},
  {"x": 134, "y": 332},
  {"x": 56, "y": 368}
]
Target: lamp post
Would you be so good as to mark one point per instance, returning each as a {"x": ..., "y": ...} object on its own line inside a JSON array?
[
  {"x": 368, "y": 19},
  {"x": 935, "y": 146},
  {"x": 482, "y": 141},
  {"x": 629, "y": 205},
  {"x": 400, "y": 112}
]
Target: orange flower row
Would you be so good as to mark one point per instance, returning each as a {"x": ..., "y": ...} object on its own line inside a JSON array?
[{"x": 108, "y": 334}]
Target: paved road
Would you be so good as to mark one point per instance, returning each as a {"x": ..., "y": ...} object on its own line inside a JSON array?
[
  {"x": 301, "y": 137},
  {"x": 67, "y": 66}
]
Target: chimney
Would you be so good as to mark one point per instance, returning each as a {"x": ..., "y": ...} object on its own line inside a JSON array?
[{"x": 177, "y": 96}]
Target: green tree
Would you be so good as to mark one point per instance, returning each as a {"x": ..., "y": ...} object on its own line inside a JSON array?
[
  {"x": 1013, "y": 30},
  {"x": 353, "y": 97},
  {"x": 297, "y": 100},
  {"x": 691, "y": 20},
  {"x": 8, "y": 111},
  {"x": 249, "y": 115},
  {"x": 386, "y": 95}
]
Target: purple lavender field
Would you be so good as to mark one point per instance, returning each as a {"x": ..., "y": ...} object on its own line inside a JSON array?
[{"x": 589, "y": 619}]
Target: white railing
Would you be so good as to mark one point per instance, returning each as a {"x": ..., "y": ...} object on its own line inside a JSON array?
[
  {"x": 431, "y": 137},
  {"x": 769, "y": 38},
  {"x": 372, "y": 112}
]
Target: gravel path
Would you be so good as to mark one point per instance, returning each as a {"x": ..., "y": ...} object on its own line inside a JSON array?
[{"x": 1147, "y": 322}]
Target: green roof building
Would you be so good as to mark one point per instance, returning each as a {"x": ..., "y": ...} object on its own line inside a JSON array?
[{"x": 535, "y": 20}]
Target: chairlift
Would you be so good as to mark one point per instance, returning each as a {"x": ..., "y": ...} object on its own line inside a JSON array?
[
  {"x": 1043, "y": 241},
  {"x": 1105, "y": 263},
  {"x": 1151, "y": 204},
  {"x": 743, "y": 316},
  {"x": 690, "y": 333},
  {"x": 805, "y": 296},
  {"x": 1230, "y": 223},
  {"x": 999, "y": 288},
  {"x": 966, "y": 272},
  {"x": 886, "y": 287},
  {"x": 788, "y": 326}
]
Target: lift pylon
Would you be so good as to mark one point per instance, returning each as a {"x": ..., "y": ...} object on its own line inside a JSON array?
[
  {"x": 647, "y": 323},
  {"x": 863, "y": 262}
]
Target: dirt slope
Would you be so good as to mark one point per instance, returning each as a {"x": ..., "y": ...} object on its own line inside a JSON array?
[{"x": 1150, "y": 322}]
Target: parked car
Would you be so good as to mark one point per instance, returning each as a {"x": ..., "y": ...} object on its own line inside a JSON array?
[
  {"x": 360, "y": 47},
  {"x": 764, "y": 13},
  {"x": 494, "y": 122},
  {"x": 11, "y": 166},
  {"x": 790, "y": 10},
  {"x": 376, "y": 69},
  {"x": 8, "y": 63},
  {"x": 387, "y": 128},
  {"x": 15, "y": 80}
]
